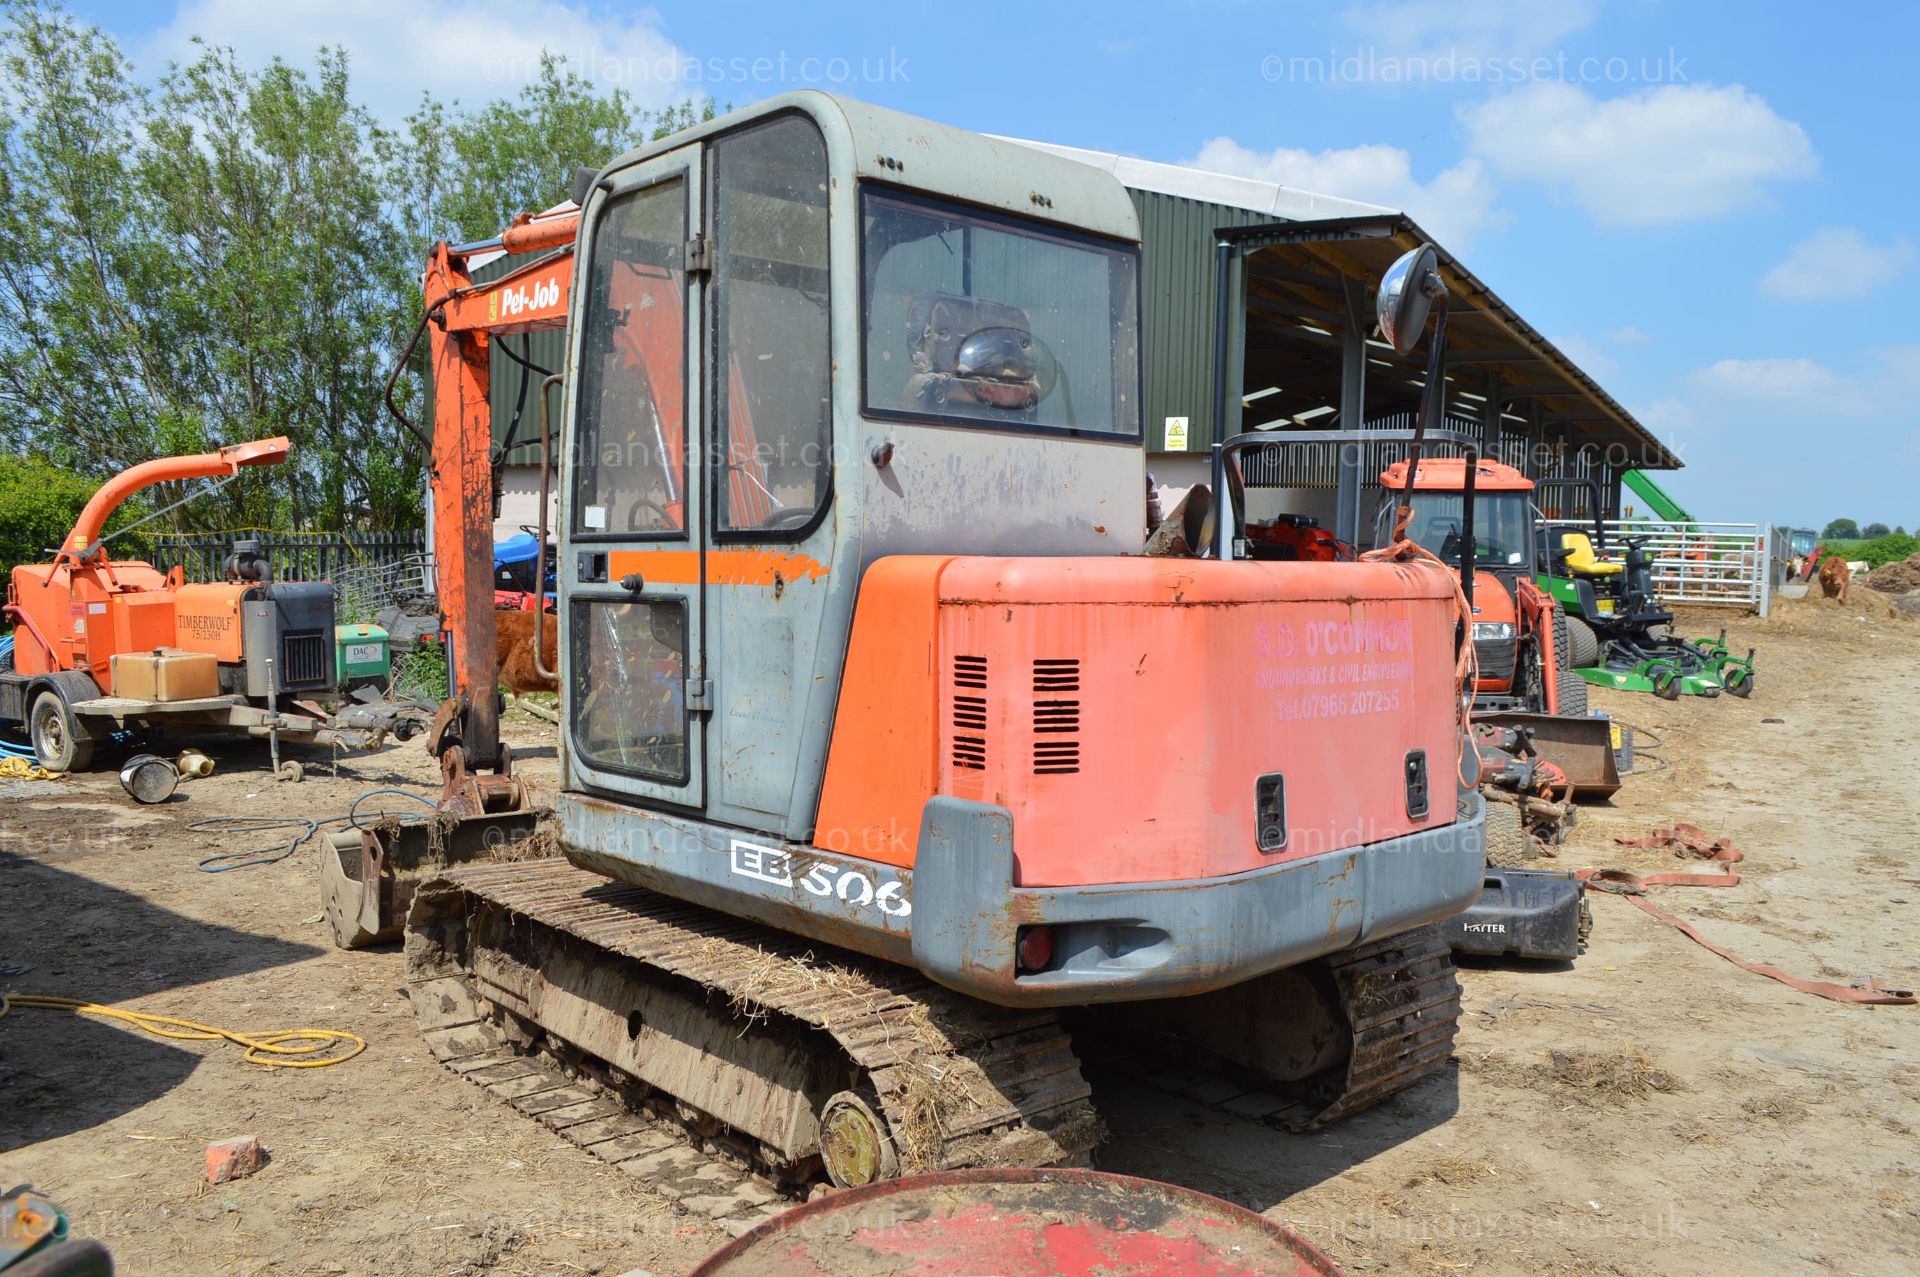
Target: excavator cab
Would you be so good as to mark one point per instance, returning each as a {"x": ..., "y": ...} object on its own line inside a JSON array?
[{"x": 893, "y": 400}]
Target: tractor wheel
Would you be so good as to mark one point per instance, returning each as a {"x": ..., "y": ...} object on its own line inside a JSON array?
[
  {"x": 1573, "y": 695},
  {"x": 1508, "y": 842},
  {"x": 56, "y": 735},
  {"x": 1583, "y": 645},
  {"x": 1562, "y": 654},
  {"x": 1738, "y": 681}
]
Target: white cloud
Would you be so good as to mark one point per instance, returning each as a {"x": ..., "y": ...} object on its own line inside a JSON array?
[
  {"x": 1740, "y": 424},
  {"x": 1837, "y": 264},
  {"x": 1667, "y": 415},
  {"x": 1669, "y": 154},
  {"x": 1628, "y": 335},
  {"x": 1593, "y": 361},
  {"x": 1800, "y": 388},
  {"x": 1454, "y": 206},
  {"x": 1469, "y": 28},
  {"x": 472, "y": 50}
]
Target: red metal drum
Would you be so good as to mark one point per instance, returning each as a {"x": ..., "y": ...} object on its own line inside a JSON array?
[{"x": 1018, "y": 1223}]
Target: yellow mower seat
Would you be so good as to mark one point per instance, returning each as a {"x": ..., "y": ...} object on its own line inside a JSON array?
[{"x": 1581, "y": 562}]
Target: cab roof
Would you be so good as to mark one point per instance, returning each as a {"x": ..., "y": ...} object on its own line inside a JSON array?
[
  {"x": 1449, "y": 474},
  {"x": 871, "y": 143}
]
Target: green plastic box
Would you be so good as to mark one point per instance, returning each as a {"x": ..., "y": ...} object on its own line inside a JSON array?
[{"x": 360, "y": 655}]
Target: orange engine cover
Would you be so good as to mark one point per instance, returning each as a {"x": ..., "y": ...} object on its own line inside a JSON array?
[
  {"x": 86, "y": 614},
  {"x": 1124, "y": 709}
]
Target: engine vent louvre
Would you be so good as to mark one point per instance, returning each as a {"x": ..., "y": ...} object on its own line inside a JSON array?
[
  {"x": 305, "y": 659},
  {"x": 970, "y": 752},
  {"x": 1056, "y": 721},
  {"x": 970, "y": 713},
  {"x": 1056, "y": 675}
]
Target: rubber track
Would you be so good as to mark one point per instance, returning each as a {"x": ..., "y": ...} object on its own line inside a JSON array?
[
  {"x": 1403, "y": 1006},
  {"x": 1011, "y": 1093}
]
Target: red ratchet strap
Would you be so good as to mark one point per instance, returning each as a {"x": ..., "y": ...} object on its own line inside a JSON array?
[{"x": 1692, "y": 840}]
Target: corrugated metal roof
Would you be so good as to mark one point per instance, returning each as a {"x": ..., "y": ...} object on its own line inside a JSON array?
[
  {"x": 1177, "y": 234},
  {"x": 1286, "y": 202}
]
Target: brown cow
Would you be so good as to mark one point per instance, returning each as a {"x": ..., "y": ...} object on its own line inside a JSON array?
[
  {"x": 517, "y": 672},
  {"x": 1836, "y": 579}
]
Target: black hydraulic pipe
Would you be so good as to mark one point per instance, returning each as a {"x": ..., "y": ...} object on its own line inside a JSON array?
[{"x": 1223, "y": 512}]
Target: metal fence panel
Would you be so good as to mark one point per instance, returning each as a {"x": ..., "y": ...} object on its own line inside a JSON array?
[{"x": 296, "y": 556}]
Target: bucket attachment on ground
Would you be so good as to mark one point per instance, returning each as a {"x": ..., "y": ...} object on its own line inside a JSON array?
[
  {"x": 367, "y": 876},
  {"x": 1582, "y": 748}
]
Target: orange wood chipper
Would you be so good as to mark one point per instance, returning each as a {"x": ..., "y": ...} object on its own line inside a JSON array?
[{"x": 104, "y": 646}]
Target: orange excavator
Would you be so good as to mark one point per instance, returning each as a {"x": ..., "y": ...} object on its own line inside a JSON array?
[
  {"x": 894, "y": 776},
  {"x": 105, "y": 646}
]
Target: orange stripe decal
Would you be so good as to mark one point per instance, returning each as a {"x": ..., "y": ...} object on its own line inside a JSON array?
[{"x": 724, "y": 567}]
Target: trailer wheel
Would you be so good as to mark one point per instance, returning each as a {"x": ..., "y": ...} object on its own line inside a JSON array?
[
  {"x": 1583, "y": 645},
  {"x": 56, "y": 735}
]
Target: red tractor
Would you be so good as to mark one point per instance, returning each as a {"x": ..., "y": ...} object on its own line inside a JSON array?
[{"x": 1478, "y": 515}]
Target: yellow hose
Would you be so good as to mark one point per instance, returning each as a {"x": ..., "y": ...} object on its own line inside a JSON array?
[{"x": 260, "y": 1050}]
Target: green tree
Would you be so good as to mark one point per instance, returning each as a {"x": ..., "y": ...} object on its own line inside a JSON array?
[
  {"x": 466, "y": 173},
  {"x": 235, "y": 253},
  {"x": 39, "y": 503},
  {"x": 203, "y": 264},
  {"x": 1841, "y": 530},
  {"x": 1874, "y": 530}
]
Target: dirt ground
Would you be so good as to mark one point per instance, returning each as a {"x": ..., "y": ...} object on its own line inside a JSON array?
[{"x": 1649, "y": 1109}]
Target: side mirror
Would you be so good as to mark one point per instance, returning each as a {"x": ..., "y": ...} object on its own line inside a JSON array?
[
  {"x": 584, "y": 177},
  {"x": 1407, "y": 293}
]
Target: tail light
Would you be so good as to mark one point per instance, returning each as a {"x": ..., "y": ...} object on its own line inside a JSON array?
[{"x": 1033, "y": 950}]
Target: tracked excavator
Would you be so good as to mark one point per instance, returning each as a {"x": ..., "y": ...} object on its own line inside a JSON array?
[{"x": 895, "y": 777}]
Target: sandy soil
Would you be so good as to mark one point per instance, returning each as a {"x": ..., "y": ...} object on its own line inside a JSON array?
[{"x": 1648, "y": 1109}]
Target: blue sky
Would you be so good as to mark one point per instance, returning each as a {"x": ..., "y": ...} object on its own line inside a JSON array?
[{"x": 1712, "y": 206}]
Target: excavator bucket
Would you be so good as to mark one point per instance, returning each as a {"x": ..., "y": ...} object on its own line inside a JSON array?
[
  {"x": 367, "y": 876},
  {"x": 1581, "y": 747}
]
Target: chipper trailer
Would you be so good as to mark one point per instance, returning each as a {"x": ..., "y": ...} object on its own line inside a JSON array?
[
  {"x": 892, "y": 772},
  {"x": 106, "y": 646}
]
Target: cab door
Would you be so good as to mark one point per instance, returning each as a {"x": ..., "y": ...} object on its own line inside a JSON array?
[{"x": 633, "y": 657}]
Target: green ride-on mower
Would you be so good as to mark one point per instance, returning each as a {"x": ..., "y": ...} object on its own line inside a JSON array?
[{"x": 1618, "y": 633}]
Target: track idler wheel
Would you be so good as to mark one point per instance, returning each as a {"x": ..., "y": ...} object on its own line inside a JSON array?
[{"x": 855, "y": 1146}]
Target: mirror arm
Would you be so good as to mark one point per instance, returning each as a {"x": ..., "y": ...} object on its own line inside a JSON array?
[
  {"x": 1430, "y": 394},
  {"x": 1468, "y": 551}
]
